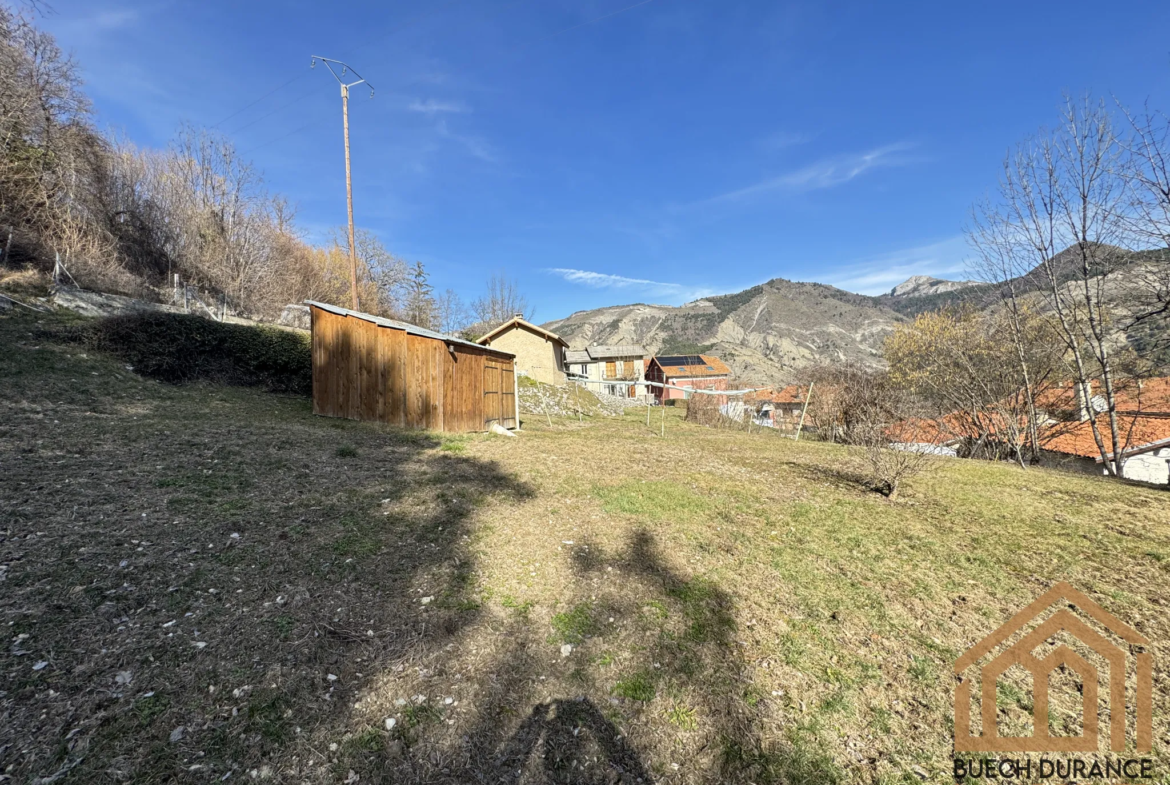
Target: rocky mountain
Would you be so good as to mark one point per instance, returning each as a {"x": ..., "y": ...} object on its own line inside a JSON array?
[
  {"x": 764, "y": 333},
  {"x": 769, "y": 331},
  {"x": 921, "y": 285}
]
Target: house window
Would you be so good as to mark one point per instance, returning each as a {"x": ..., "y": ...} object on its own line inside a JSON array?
[{"x": 611, "y": 370}]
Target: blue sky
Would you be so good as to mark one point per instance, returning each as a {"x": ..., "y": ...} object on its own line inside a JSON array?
[{"x": 603, "y": 152}]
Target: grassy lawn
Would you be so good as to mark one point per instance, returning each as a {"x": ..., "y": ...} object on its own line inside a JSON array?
[{"x": 203, "y": 582}]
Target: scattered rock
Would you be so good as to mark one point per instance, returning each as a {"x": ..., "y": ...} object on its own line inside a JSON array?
[{"x": 178, "y": 733}]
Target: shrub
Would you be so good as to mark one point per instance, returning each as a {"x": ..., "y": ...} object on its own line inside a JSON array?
[{"x": 180, "y": 348}]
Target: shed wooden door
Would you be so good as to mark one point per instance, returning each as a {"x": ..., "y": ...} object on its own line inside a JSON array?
[
  {"x": 508, "y": 395},
  {"x": 499, "y": 393}
]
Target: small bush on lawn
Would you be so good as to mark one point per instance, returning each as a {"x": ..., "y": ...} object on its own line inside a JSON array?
[{"x": 183, "y": 348}]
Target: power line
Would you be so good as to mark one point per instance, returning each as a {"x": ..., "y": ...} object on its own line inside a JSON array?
[
  {"x": 319, "y": 121},
  {"x": 277, "y": 110},
  {"x": 258, "y": 100}
]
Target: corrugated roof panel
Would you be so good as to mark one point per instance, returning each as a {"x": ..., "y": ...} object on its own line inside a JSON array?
[{"x": 410, "y": 329}]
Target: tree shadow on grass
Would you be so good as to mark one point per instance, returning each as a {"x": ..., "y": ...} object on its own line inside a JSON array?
[
  {"x": 849, "y": 476},
  {"x": 695, "y": 655},
  {"x": 211, "y": 576}
]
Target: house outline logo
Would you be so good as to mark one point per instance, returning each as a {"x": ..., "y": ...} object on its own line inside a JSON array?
[{"x": 1020, "y": 653}]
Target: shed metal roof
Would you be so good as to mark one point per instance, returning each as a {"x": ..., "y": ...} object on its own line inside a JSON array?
[{"x": 410, "y": 329}]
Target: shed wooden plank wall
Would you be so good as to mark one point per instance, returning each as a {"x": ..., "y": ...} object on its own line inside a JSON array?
[{"x": 364, "y": 371}]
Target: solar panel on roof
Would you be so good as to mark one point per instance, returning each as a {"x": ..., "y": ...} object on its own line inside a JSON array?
[{"x": 680, "y": 360}]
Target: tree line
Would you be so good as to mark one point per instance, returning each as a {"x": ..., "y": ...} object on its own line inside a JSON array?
[
  {"x": 1073, "y": 251},
  {"x": 127, "y": 220}
]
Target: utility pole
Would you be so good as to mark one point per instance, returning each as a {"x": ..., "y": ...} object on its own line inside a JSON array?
[{"x": 353, "y": 283}]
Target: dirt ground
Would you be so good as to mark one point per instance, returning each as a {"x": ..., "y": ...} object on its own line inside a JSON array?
[{"x": 208, "y": 584}]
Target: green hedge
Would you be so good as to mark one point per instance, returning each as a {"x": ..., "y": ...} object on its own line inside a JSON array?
[{"x": 181, "y": 348}]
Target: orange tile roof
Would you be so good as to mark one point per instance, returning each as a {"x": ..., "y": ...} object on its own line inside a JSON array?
[
  {"x": 793, "y": 393},
  {"x": 1143, "y": 413},
  {"x": 1076, "y": 438},
  {"x": 1151, "y": 395},
  {"x": 943, "y": 430}
]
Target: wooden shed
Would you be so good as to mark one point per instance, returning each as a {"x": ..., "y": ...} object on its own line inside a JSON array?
[{"x": 369, "y": 368}]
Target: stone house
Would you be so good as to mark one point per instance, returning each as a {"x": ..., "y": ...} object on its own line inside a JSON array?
[
  {"x": 540, "y": 354},
  {"x": 613, "y": 369}
]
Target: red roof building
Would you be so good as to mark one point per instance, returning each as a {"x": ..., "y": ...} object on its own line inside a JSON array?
[{"x": 689, "y": 371}]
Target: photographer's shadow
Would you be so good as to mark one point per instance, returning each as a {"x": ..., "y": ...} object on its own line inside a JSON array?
[{"x": 569, "y": 741}]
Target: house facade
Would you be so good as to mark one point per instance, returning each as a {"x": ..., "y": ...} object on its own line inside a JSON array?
[
  {"x": 540, "y": 354},
  {"x": 689, "y": 371},
  {"x": 618, "y": 370}
]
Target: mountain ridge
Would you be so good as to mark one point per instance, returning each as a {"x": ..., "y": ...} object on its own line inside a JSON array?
[{"x": 768, "y": 332}]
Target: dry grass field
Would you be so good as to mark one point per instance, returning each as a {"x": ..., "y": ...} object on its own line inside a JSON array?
[{"x": 209, "y": 584}]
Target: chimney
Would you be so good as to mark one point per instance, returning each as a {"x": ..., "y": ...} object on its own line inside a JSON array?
[
  {"x": 518, "y": 316},
  {"x": 1084, "y": 400}
]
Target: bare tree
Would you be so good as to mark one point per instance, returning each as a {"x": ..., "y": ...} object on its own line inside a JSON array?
[
  {"x": 1148, "y": 146},
  {"x": 500, "y": 302},
  {"x": 889, "y": 464},
  {"x": 843, "y": 393},
  {"x": 1064, "y": 198},
  {"x": 867, "y": 409},
  {"x": 451, "y": 312}
]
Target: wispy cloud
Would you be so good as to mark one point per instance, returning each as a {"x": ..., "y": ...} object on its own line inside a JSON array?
[
  {"x": 595, "y": 280},
  {"x": 781, "y": 140},
  {"x": 880, "y": 274},
  {"x": 433, "y": 107},
  {"x": 114, "y": 18},
  {"x": 823, "y": 174},
  {"x": 474, "y": 145}
]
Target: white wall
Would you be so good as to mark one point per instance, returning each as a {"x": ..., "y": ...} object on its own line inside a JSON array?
[{"x": 1152, "y": 467}]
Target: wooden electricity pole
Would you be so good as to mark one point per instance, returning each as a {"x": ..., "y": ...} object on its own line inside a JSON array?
[
  {"x": 353, "y": 269},
  {"x": 804, "y": 409}
]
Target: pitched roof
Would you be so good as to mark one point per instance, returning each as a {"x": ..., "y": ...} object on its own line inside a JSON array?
[
  {"x": 1148, "y": 395},
  {"x": 410, "y": 329},
  {"x": 608, "y": 352},
  {"x": 1138, "y": 434},
  {"x": 615, "y": 350},
  {"x": 691, "y": 365},
  {"x": 793, "y": 393},
  {"x": 517, "y": 321}
]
